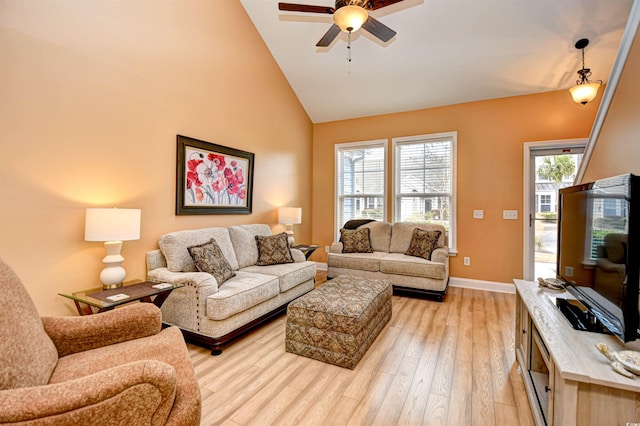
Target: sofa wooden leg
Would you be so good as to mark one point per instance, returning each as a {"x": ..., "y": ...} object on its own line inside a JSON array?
[{"x": 216, "y": 350}]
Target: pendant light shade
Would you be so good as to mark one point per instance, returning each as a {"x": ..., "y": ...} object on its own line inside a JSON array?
[{"x": 584, "y": 93}]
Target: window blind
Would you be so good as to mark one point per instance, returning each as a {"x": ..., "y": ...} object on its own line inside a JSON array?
[
  {"x": 425, "y": 182},
  {"x": 360, "y": 182}
]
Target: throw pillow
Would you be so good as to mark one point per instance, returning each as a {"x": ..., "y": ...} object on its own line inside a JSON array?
[
  {"x": 423, "y": 243},
  {"x": 355, "y": 240},
  {"x": 208, "y": 257},
  {"x": 273, "y": 250}
]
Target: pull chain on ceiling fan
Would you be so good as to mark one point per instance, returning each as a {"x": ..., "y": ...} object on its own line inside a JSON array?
[{"x": 348, "y": 16}]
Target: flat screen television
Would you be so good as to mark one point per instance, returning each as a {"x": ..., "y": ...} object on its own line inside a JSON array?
[{"x": 599, "y": 251}]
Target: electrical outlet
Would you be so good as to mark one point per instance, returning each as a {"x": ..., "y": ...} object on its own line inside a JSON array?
[
  {"x": 568, "y": 271},
  {"x": 478, "y": 214},
  {"x": 466, "y": 261},
  {"x": 326, "y": 249},
  {"x": 510, "y": 214}
]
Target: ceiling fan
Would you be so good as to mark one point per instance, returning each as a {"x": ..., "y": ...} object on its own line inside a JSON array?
[{"x": 348, "y": 16}]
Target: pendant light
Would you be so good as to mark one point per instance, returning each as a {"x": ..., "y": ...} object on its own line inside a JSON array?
[{"x": 584, "y": 91}]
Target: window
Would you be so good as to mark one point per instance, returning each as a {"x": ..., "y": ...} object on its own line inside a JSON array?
[
  {"x": 361, "y": 181},
  {"x": 545, "y": 203},
  {"x": 425, "y": 181}
]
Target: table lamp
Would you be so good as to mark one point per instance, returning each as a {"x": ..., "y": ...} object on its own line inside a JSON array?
[
  {"x": 290, "y": 216},
  {"x": 112, "y": 226}
]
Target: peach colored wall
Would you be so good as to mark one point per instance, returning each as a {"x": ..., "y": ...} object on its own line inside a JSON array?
[
  {"x": 93, "y": 95},
  {"x": 491, "y": 135},
  {"x": 617, "y": 150}
]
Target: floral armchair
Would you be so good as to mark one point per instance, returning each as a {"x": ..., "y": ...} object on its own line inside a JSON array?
[{"x": 116, "y": 367}]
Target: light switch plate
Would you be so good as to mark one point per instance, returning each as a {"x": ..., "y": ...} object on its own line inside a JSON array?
[
  {"x": 478, "y": 214},
  {"x": 510, "y": 214}
]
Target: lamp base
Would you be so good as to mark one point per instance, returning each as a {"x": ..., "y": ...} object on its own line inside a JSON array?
[
  {"x": 290, "y": 238},
  {"x": 111, "y": 286},
  {"x": 113, "y": 274}
]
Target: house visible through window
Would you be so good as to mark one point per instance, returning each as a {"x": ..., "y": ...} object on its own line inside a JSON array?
[
  {"x": 424, "y": 181},
  {"x": 545, "y": 203},
  {"x": 360, "y": 181}
]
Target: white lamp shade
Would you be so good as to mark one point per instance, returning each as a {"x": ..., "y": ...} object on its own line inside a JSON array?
[
  {"x": 350, "y": 17},
  {"x": 584, "y": 93},
  {"x": 112, "y": 224},
  {"x": 290, "y": 215}
]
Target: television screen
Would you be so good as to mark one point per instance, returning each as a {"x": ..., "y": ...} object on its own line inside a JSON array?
[{"x": 598, "y": 252}]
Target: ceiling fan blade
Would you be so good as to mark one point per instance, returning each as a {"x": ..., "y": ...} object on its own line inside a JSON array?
[
  {"x": 292, "y": 7},
  {"x": 378, "y": 29},
  {"x": 329, "y": 36},
  {"x": 377, "y": 4}
]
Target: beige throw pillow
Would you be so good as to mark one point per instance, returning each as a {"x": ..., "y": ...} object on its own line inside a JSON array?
[
  {"x": 273, "y": 250},
  {"x": 355, "y": 240},
  {"x": 208, "y": 257},
  {"x": 423, "y": 243}
]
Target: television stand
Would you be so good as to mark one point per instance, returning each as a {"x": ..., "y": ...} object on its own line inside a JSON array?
[{"x": 567, "y": 380}]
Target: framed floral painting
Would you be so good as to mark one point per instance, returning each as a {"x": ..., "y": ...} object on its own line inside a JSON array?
[{"x": 213, "y": 179}]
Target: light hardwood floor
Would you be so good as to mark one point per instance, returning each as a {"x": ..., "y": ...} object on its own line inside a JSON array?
[{"x": 449, "y": 363}]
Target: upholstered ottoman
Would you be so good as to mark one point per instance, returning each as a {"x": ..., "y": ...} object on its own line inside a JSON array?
[{"x": 338, "y": 321}]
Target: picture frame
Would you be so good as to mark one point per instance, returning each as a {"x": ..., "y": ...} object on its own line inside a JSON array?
[{"x": 212, "y": 179}]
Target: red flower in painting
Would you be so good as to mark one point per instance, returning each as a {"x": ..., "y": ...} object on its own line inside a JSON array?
[
  {"x": 219, "y": 184},
  {"x": 217, "y": 160},
  {"x": 192, "y": 174},
  {"x": 239, "y": 176},
  {"x": 242, "y": 193},
  {"x": 192, "y": 165},
  {"x": 199, "y": 194},
  {"x": 232, "y": 184},
  {"x": 234, "y": 163}
]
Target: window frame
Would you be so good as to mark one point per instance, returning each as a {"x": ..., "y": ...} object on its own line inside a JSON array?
[
  {"x": 375, "y": 143},
  {"x": 433, "y": 137}
]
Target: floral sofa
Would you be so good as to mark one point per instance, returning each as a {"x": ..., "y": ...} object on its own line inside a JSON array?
[
  {"x": 384, "y": 255},
  {"x": 249, "y": 281}
]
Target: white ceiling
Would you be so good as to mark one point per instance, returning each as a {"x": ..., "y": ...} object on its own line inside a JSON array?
[{"x": 445, "y": 52}]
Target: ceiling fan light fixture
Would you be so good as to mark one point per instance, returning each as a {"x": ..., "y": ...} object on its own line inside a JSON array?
[
  {"x": 350, "y": 18},
  {"x": 584, "y": 91}
]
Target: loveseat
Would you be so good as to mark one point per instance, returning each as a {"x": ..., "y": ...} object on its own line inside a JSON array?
[
  {"x": 386, "y": 258},
  {"x": 212, "y": 310}
]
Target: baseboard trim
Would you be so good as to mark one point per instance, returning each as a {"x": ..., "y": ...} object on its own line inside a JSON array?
[{"x": 482, "y": 285}]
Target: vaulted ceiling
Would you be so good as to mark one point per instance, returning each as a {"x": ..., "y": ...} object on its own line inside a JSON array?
[{"x": 445, "y": 52}]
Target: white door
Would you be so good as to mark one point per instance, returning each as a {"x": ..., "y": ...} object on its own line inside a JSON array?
[{"x": 549, "y": 166}]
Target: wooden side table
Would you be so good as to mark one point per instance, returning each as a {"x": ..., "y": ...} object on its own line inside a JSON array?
[
  {"x": 97, "y": 300},
  {"x": 307, "y": 249}
]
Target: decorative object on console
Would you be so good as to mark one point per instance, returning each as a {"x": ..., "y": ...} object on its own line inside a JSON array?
[
  {"x": 623, "y": 362},
  {"x": 213, "y": 179},
  {"x": 551, "y": 283},
  {"x": 112, "y": 226},
  {"x": 290, "y": 216},
  {"x": 584, "y": 91}
]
